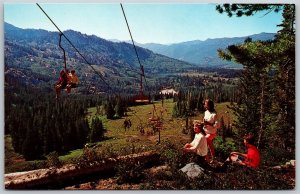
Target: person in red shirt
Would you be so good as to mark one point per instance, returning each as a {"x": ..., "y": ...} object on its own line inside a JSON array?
[
  {"x": 61, "y": 83},
  {"x": 251, "y": 159}
]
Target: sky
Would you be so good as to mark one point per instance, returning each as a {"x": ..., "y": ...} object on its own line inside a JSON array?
[{"x": 163, "y": 23}]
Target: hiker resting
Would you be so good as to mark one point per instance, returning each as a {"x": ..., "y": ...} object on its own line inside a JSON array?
[
  {"x": 251, "y": 158},
  {"x": 198, "y": 145}
]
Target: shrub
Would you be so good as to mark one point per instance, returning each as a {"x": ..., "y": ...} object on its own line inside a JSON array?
[
  {"x": 236, "y": 178},
  {"x": 173, "y": 154},
  {"x": 53, "y": 160},
  {"x": 129, "y": 172},
  {"x": 242, "y": 177},
  {"x": 223, "y": 149},
  {"x": 275, "y": 156}
]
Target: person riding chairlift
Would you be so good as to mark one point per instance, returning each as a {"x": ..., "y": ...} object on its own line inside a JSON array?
[
  {"x": 73, "y": 81},
  {"x": 61, "y": 83},
  {"x": 66, "y": 80}
]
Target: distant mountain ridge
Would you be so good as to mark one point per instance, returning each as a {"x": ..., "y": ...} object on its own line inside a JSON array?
[
  {"x": 203, "y": 53},
  {"x": 35, "y": 55},
  {"x": 89, "y": 44}
]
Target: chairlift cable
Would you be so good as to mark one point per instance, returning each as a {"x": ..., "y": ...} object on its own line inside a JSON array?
[
  {"x": 141, "y": 66},
  {"x": 62, "y": 34}
]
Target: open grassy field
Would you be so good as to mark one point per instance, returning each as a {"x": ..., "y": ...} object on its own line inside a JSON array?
[
  {"x": 120, "y": 141},
  {"x": 140, "y": 116}
]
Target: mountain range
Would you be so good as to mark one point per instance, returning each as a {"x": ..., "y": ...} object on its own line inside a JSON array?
[
  {"x": 34, "y": 57},
  {"x": 29, "y": 52},
  {"x": 203, "y": 53}
]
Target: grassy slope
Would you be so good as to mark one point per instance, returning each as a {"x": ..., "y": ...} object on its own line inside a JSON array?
[
  {"x": 140, "y": 115},
  {"x": 120, "y": 141}
]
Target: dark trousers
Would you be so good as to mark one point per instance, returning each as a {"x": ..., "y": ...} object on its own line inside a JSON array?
[{"x": 200, "y": 160}]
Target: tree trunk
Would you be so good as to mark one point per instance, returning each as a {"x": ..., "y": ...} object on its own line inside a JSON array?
[
  {"x": 60, "y": 177},
  {"x": 262, "y": 109}
]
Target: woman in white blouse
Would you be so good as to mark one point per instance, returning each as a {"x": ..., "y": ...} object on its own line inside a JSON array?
[
  {"x": 198, "y": 145},
  {"x": 211, "y": 125}
]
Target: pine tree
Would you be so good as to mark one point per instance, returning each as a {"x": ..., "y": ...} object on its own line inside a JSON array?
[
  {"x": 285, "y": 80},
  {"x": 175, "y": 111},
  {"x": 273, "y": 63},
  {"x": 32, "y": 147},
  {"x": 97, "y": 130},
  {"x": 82, "y": 131},
  {"x": 39, "y": 126},
  {"x": 200, "y": 101},
  {"x": 240, "y": 10},
  {"x": 109, "y": 111},
  {"x": 119, "y": 108}
]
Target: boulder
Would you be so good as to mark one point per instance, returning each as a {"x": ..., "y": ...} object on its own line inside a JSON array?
[{"x": 192, "y": 170}]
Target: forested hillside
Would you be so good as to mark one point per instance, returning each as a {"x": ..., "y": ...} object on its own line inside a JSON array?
[{"x": 36, "y": 55}]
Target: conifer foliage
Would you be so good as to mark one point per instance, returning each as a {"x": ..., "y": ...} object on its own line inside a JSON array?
[
  {"x": 267, "y": 106},
  {"x": 39, "y": 126},
  {"x": 97, "y": 130}
]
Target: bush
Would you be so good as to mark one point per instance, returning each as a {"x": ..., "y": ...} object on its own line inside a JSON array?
[
  {"x": 223, "y": 149},
  {"x": 129, "y": 172},
  {"x": 53, "y": 160},
  {"x": 25, "y": 166},
  {"x": 173, "y": 154},
  {"x": 241, "y": 177},
  {"x": 275, "y": 156},
  {"x": 236, "y": 178}
]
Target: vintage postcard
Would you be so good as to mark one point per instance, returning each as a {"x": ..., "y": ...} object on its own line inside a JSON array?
[{"x": 149, "y": 96}]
